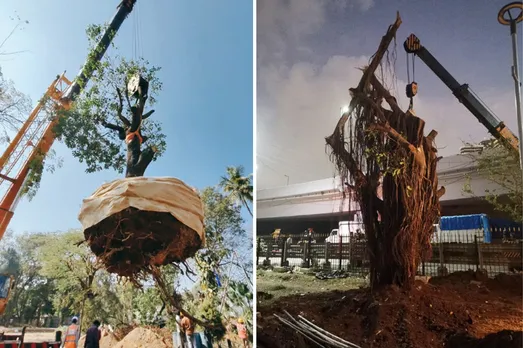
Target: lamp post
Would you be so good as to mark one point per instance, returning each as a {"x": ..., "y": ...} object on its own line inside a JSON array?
[{"x": 506, "y": 17}]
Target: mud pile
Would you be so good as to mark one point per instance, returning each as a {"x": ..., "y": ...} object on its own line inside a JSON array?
[
  {"x": 462, "y": 310},
  {"x": 108, "y": 340},
  {"x": 143, "y": 338}
]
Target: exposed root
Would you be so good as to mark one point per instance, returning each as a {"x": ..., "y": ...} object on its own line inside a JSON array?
[{"x": 130, "y": 242}]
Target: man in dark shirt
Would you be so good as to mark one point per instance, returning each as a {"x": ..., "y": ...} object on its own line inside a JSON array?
[{"x": 93, "y": 336}]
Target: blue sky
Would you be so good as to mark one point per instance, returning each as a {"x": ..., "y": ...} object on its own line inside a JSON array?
[
  {"x": 205, "y": 51},
  {"x": 308, "y": 52}
]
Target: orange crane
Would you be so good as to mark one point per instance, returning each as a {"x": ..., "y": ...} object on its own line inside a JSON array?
[{"x": 36, "y": 136}]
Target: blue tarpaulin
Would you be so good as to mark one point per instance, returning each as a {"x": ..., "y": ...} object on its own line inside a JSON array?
[
  {"x": 4, "y": 285},
  {"x": 467, "y": 222},
  {"x": 217, "y": 280}
]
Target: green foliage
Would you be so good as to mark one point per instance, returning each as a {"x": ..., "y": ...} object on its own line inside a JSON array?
[
  {"x": 224, "y": 236},
  {"x": 500, "y": 166},
  {"x": 31, "y": 296},
  {"x": 238, "y": 186},
  {"x": 37, "y": 165},
  {"x": 15, "y": 107},
  {"x": 81, "y": 127}
]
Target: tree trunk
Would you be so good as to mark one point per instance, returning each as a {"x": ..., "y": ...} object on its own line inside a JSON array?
[{"x": 137, "y": 160}]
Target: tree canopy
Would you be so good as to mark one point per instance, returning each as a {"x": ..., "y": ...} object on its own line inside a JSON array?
[
  {"x": 238, "y": 186},
  {"x": 105, "y": 101},
  {"x": 500, "y": 166}
]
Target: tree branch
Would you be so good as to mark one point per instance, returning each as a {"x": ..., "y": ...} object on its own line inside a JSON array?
[
  {"x": 147, "y": 114},
  {"x": 440, "y": 192},
  {"x": 124, "y": 120},
  {"x": 120, "y": 130},
  {"x": 378, "y": 56}
]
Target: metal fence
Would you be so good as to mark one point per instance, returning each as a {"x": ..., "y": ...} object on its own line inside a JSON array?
[{"x": 451, "y": 252}]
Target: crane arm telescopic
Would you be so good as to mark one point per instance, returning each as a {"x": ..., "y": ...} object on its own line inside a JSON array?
[
  {"x": 464, "y": 94},
  {"x": 81, "y": 80}
]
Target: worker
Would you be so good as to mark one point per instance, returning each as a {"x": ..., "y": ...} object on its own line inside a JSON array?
[
  {"x": 93, "y": 336},
  {"x": 188, "y": 329},
  {"x": 72, "y": 335},
  {"x": 242, "y": 332}
]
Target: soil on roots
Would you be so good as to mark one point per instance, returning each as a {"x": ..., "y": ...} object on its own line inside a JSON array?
[
  {"x": 133, "y": 240},
  {"x": 458, "y": 311}
]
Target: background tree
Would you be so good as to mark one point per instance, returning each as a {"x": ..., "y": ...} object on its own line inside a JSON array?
[
  {"x": 238, "y": 186},
  {"x": 73, "y": 268},
  {"x": 15, "y": 106},
  {"x": 500, "y": 166},
  {"x": 32, "y": 292},
  {"x": 218, "y": 266}
]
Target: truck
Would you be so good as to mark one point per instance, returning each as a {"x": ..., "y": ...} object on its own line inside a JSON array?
[
  {"x": 463, "y": 229},
  {"x": 345, "y": 230}
]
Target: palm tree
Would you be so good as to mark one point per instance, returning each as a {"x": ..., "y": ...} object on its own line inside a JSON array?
[{"x": 238, "y": 186}]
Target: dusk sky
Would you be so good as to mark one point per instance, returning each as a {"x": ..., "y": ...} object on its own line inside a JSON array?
[
  {"x": 205, "y": 51},
  {"x": 308, "y": 54}
]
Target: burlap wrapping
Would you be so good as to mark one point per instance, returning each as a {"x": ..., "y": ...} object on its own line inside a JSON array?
[{"x": 166, "y": 195}]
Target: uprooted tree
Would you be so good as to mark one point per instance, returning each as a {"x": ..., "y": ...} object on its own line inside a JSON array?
[
  {"x": 106, "y": 127},
  {"x": 375, "y": 146}
]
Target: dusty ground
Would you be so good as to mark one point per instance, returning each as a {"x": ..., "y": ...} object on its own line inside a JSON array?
[{"x": 457, "y": 311}]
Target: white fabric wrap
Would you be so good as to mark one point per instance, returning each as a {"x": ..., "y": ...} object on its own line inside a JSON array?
[{"x": 166, "y": 195}]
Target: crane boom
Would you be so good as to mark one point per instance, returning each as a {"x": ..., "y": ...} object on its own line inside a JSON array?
[
  {"x": 124, "y": 9},
  {"x": 463, "y": 93},
  {"x": 36, "y": 136}
]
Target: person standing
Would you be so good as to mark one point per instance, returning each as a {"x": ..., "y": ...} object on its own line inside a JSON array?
[
  {"x": 93, "y": 336},
  {"x": 72, "y": 335},
  {"x": 188, "y": 328},
  {"x": 242, "y": 332}
]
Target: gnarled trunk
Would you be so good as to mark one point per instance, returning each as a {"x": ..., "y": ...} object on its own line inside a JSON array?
[{"x": 388, "y": 148}]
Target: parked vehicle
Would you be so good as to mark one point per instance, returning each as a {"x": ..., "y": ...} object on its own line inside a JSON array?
[
  {"x": 463, "y": 229},
  {"x": 345, "y": 230}
]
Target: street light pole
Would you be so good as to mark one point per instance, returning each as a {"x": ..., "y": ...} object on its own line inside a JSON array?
[{"x": 505, "y": 17}]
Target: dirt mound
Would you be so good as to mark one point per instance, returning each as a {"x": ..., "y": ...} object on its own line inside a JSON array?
[
  {"x": 108, "y": 340},
  {"x": 454, "y": 311},
  {"x": 143, "y": 338},
  {"x": 131, "y": 240},
  {"x": 502, "y": 339}
]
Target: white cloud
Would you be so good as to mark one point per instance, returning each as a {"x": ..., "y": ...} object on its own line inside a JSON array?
[
  {"x": 303, "y": 104},
  {"x": 283, "y": 26},
  {"x": 299, "y": 102}
]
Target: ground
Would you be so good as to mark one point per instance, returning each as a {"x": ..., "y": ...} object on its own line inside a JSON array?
[
  {"x": 270, "y": 286},
  {"x": 455, "y": 311}
]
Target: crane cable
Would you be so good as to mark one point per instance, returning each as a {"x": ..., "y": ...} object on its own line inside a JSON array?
[{"x": 137, "y": 49}]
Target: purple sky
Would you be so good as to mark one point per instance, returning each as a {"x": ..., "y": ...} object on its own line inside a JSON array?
[{"x": 308, "y": 52}]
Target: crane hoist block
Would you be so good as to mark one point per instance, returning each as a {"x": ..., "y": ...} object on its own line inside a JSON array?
[
  {"x": 137, "y": 84},
  {"x": 411, "y": 90}
]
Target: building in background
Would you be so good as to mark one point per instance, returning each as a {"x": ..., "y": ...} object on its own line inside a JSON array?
[{"x": 320, "y": 204}]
